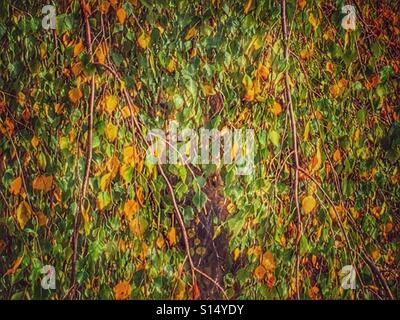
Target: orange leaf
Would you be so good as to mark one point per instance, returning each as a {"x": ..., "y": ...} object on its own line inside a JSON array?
[
  {"x": 15, "y": 266},
  {"x": 247, "y": 6},
  {"x": 337, "y": 157},
  {"x": 276, "y": 108},
  {"x": 259, "y": 273},
  {"x": 131, "y": 207},
  {"x": 172, "y": 236},
  {"x": 268, "y": 261},
  {"x": 15, "y": 186},
  {"x": 329, "y": 67},
  {"x": 249, "y": 96},
  {"x": 301, "y": 4},
  {"x": 140, "y": 196},
  {"x": 191, "y": 33},
  {"x": 75, "y": 95},
  {"x": 122, "y": 290},
  {"x": 121, "y": 15},
  {"x": 263, "y": 72},
  {"x": 78, "y": 48},
  {"x": 43, "y": 183},
  {"x": 194, "y": 292}
]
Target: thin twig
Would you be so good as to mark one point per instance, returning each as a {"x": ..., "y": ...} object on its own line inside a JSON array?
[
  {"x": 85, "y": 182},
  {"x": 294, "y": 133}
]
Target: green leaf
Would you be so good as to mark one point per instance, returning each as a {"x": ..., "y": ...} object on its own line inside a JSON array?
[
  {"x": 274, "y": 137},
  {"x": 199, "y": 200}
]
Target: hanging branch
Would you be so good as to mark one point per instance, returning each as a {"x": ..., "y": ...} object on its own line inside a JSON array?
[
  {"x": 77, "y": 220},
  {"x": 136, "y": 125},
  {"x": 363, "y": 254},
  {"x": 288, "y": 98}
]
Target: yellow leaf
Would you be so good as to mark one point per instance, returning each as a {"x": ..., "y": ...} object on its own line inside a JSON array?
[
  {"x": 263, "y": 72},
  {"x": 131, "y": 207},
  {"x": 160, "y": 242},
  {"x": 121, "y": 15},
  {"x": 256, "y": 251},
  {"x": 15, "y": 186},
  {"x": 43, "y": 183},
  {"x": 208, "y": 90},
  {"x": 122, "y": 290},
  {"x": 247, "y": 82},
  {"x": 101, "y": 54},
  {"x": 306, "y": 53},
  {"x": 247, "y": 6},
  {"x": 276, "y": 108},
  {"x": 191, "y": 33},
  {"x": 21, "y": 99},
  {"x": 138, "y": 226},
  {"x": 14, "y": 266},
  {"x": 126, "y": 112},
  {"x": 105, "y": 181},
  {"x": 143, "y": 41},
  {"x": 104, "y": 6},
  {"x": 329, "y": 34},
  {"x": 180, "y": 290},
  {"x": 376, "y": 254},
  {"x": 268, "y": 261},
  {"x": 172, "y": 236},
  {"x": 171, "y": 66},
  {"x": 103, "y": 200},
  {"x": 308, "y": 204},
  {"x": 130, "y": 155},
  {"x": 140, "y": 196},
  {"x": 111, "y": 103},
  {"x": 78, "y": 48},
  {"x": 23, "y": 213},
  {"x": 113, "y": 165},
  {"x": 334, "y": 90},
  {"x": 75, "y": 95},
  {"x": 313, "y": 21},
  {"x": 35, "y": 142},
  {"x": 337, "y": 156},
  {"x": 111, "y": 132},
  {"x": 231, "y": 208},
  {"x": 86, "y": 218},
  {"x": 236, "y": 254},
  {"x": 316, "y": 161},
  {"x": 58, "y": 108},
  {"x": 306, "y": 132}
]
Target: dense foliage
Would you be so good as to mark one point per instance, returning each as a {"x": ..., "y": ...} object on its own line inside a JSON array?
[{"x": 214, "y": 64}]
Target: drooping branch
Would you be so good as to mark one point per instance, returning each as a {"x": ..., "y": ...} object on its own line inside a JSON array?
[
  {"x": 288, "y": 98},
  {"x": 89, "y": 145},
  {"x": 137, "y": 126}
]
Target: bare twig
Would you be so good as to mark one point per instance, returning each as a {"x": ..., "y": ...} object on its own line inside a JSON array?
[
  {"x": 364, "y": 255},
  {"x": 294, "y": 133},
  {"x": 85, "y": 181}
]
